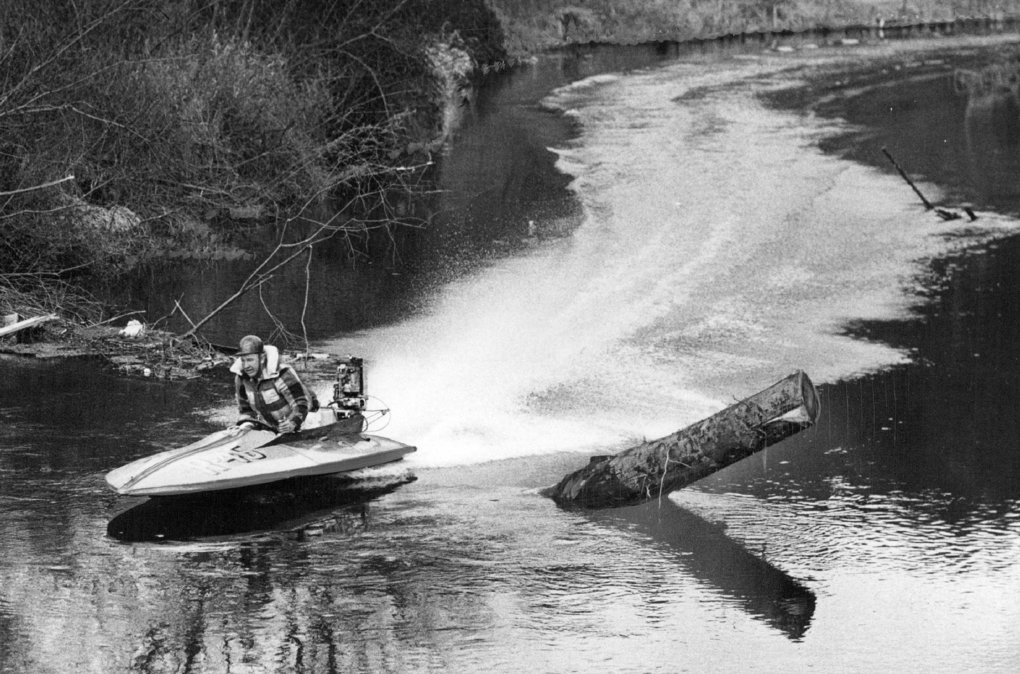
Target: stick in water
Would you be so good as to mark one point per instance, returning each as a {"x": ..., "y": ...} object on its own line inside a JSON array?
[{"x": 927, "y": 204}]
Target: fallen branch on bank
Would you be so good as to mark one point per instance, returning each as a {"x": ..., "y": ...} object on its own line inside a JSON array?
[
  {"x": 656, "y": 467},
  {"x": 19, "y": 325}
]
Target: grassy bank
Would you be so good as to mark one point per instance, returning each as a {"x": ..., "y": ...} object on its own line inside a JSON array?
[{"x": 534, "y": 25}]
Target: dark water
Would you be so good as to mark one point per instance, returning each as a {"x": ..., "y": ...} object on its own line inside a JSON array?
[
  {"x": 958, "y": 394},
  {"x": 884, "y": 539}
]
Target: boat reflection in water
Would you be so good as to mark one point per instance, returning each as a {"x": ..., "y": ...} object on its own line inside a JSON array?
[
  {"x": 761, "y": 589},
  {"x": 299, "y": 507}
]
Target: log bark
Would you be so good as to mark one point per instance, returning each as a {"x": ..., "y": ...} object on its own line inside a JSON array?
[{"x": 657, "y": 467}]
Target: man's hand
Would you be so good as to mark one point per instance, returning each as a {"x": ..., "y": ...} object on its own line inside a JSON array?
[{"x": 288, "y": 426}]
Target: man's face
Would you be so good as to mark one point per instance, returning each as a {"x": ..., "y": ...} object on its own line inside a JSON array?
[{"x": 251, "y": 363}]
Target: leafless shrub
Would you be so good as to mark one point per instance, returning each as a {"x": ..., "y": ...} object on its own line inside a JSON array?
[{"x": 185, "y": 114}]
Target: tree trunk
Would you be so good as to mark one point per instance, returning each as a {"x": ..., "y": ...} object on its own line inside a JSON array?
[{"x": 657, "y": 467}]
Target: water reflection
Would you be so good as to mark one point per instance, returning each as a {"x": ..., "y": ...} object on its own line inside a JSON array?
[
  {"x": 763, "y": 591},
  {"x": 991, "y": 125},
  {"x": 299, "y": 507}
]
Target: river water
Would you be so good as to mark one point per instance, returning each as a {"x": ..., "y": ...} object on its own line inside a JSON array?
[{"x": 702, "y": 223}]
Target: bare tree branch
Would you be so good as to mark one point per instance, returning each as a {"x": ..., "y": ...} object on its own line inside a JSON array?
[
  {"x": 308, "y": 289},
  {"x": 60, "y": 51},
  {"x": 37, "y": 187}
]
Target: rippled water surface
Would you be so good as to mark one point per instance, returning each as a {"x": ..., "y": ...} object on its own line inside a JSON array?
[{"x": 711, "y": 224}]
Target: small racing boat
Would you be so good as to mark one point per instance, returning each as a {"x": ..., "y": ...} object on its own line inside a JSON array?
[{"x": 332, "y": 441}]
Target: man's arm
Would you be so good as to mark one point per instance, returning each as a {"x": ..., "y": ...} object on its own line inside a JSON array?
[
  {"x": 244, "y": 410},
  {"x": 301, "y": 404}
]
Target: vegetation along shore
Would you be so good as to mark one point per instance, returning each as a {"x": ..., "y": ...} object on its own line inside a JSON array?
[{"x": 131, "y": 129}]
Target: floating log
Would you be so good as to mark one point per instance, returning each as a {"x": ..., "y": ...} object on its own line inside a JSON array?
[
  {"x": 657, "y": 467},
  {"x": 27, "y": 323}
]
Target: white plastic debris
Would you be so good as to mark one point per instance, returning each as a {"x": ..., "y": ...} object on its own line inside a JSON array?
[{"x": 134, "y": 328}]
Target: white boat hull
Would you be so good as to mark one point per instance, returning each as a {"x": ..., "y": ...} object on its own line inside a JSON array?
[{"x": 225, "y": 461}]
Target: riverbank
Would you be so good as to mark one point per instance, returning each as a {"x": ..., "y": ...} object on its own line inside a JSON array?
[
  {"x": 134, "y": 132},
  {"x": 148, "y": 353},
  {"x": 571, "y": 22},
  {"x": 144, "y": 352}
]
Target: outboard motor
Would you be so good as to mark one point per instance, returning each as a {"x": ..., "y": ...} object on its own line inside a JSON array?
[{"x": 349, "y": 390}]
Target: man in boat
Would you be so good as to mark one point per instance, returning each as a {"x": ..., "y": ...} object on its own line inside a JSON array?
[{"x": 267, "y": 391}]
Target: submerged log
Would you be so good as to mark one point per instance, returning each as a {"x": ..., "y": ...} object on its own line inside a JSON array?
[{"x": 657, "y": 467}]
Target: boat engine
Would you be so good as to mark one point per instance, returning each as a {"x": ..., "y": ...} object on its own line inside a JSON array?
[{"x": 349, "y": 390}]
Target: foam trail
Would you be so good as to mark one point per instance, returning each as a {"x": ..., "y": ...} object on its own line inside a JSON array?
[{"x": 720, "y": 251}]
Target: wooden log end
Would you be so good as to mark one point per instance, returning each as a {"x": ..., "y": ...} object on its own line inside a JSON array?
[{"x": 809, "y": 394}]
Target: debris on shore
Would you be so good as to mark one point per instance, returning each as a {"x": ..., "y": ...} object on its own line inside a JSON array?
[
  {"x": 139, "y": 350},
  {"x": 134, "y": 351}
]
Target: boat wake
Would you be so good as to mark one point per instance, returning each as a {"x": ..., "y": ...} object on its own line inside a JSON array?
[{"x": 720, "y": 251}]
